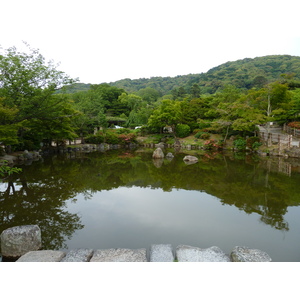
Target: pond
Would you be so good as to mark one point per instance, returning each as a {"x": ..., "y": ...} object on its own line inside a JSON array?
[{"x": 124, "y": 199}]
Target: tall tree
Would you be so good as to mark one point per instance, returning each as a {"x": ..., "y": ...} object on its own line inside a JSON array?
[
  {"x": 167, "y": 114},
  {"x": 28, "y": 84}
]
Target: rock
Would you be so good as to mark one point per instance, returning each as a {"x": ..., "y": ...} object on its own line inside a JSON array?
[
  {"x": 177, "y": 144},
  {"x": 78, "y": 255},
  {"x": 189, "y": 159},
  {"x": 194, "y": 254},
  {"x": 169, "y": 155},
  {"x": 160, "y": 145},
  {"x": 158, "y": 153},
  {"x": 18, "y": 240},
  {"x": 42, "y": 256},
  {"x": 161, "y": 253},
  {"x": 119, "y": 255},
  {"x": 245, "y": 254}
]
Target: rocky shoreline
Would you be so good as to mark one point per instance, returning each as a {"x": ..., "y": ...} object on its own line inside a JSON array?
[{"x": 23, "y": 244}]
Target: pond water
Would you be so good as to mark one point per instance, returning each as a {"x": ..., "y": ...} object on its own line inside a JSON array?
[{"x": 124, "y": 199}]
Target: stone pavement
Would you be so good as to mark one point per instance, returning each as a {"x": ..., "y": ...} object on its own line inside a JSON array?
[{"x": 158, "y": 253}]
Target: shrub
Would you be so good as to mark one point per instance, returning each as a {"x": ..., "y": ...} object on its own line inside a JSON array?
[
  {"x": 111, "y": 138},
  {"x": 205, "y": 136},
  {"x": 294, "y": 125},
  {"x": 239, "y": 144},
  {"x": 182, "y": 130},
  {"x": 122, "y": 130},
  {"x": 127, "y": 138},
  {"x": 253, "y": 143},
  {"x": 95, "y": 139},
  {"x": 195, "y": 131},
  {"x": 212, "y": 145},
  {"x": 198, "y": 134}
]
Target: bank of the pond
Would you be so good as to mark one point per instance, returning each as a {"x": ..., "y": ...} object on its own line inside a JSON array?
[{"x": 23, "y": 244}]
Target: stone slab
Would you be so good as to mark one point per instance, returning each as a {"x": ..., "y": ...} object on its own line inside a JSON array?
[
  {"x": 245, "y": 254},
  {"x": 119, "y": 255},
  {"x": 78, "y": 255},
  {"x": 161, "y": 253},
  {"x": 42, "y": 256},
  {"x": 193, "y": 254}
]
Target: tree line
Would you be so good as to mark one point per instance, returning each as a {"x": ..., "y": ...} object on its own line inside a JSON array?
[{"x": 40, "y": 104}]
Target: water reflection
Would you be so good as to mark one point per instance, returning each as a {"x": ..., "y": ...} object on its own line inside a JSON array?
[{"x": 120, "y": 198}]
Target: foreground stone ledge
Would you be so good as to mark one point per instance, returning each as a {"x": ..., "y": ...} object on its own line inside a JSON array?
[
  {"x": 161, "y": 253},
  {"x": 193, "y": 254},
  {"x": 157, "y": 253},
  {"x": 42, "y": 256},
  {"x": 245, "y": 254},
  {"x": 119, "y": 255}
]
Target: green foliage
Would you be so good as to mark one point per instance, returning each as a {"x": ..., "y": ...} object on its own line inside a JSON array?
[
  {"x": 245, "y": 74},
  {"x": 6, "y": 170},
  {"x": 202, "y": 135},
  {"x": 240, "y": 144},
  {"x": 95, "y": 138},
  {"x": 111, "y": 137},
  {"x": 28, "y": 100},
  {"x": 168, "y": 113},
  {"x": 122, "y": 130},
  {"x": 182, "y": 130},
  {"x": 253, "y": 143}
]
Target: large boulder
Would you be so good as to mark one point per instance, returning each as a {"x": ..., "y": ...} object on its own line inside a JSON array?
[
  {"x": 18, "y": 240},
  {"x": 158, "y": 153},
  {"x": 245, "y": 254}
]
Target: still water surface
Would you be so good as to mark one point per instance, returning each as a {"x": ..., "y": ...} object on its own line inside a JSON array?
[{"x": 126, "y": 200}]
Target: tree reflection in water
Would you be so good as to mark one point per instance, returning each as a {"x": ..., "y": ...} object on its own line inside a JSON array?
[{"x": 38, "y": 195}]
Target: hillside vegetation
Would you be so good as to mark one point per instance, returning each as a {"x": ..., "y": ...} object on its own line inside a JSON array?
[
  {"x": 39, "y": 104},
  {"x": 245, "y": 74}
]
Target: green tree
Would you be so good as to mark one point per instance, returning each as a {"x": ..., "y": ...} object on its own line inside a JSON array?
[
  {"x": 27, "y": 86},
  {"x": 150, "y": 95},
  {"x": 168, "y": 113},
  {"x": 195, "y": 91}
]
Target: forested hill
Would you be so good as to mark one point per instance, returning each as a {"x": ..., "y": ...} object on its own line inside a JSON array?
[{"x": 245, "y": 73}]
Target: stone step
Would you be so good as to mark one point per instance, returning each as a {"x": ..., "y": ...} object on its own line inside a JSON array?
[
  {"x": 119, "y": 255},
  {"x": 161, "y": 253},
  {"x": 193, "y": 254},
  {"x": 42, "y": 256},
  {"x": 78, "y": 255}
]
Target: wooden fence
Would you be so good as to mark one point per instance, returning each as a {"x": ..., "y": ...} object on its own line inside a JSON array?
[
  {"x": 277, "y": 138},
  {"x": 293, "y": 131}
]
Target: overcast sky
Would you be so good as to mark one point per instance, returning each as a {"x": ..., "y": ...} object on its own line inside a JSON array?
[{"x": 103, "y": 41}]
